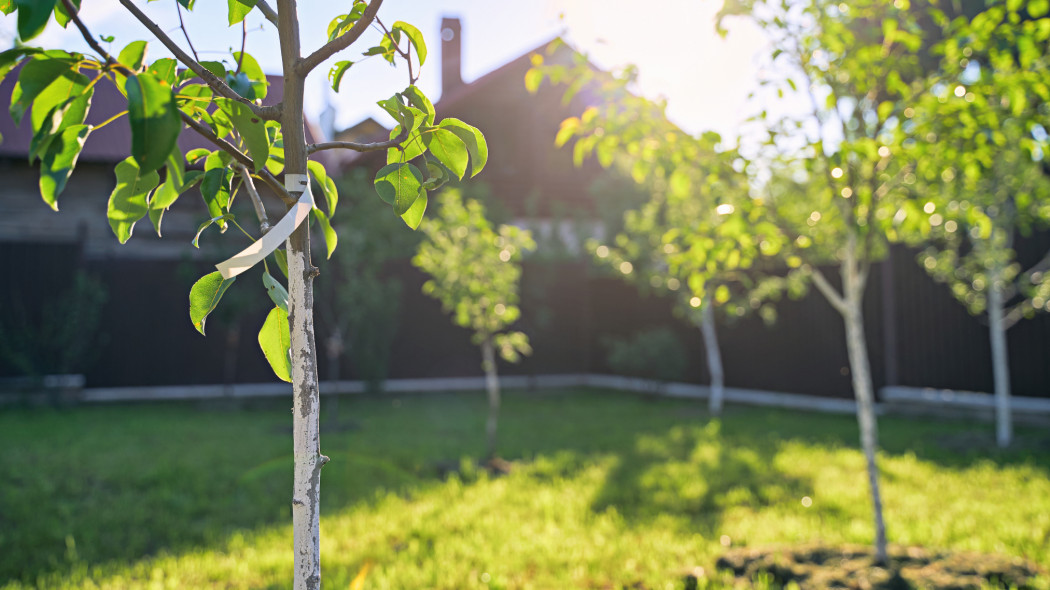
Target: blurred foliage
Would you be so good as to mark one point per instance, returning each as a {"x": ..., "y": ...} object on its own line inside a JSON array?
[
  {"x": 655, "y": 353},
  {"x": 361, "y": 303},
  {"x": 980, "y": 147},
  {"x": 64, "y": 338},
  {"x": 475, "y": 271}
]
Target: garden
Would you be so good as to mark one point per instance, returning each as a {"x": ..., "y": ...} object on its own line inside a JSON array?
[{"x": 600, "y": 490}]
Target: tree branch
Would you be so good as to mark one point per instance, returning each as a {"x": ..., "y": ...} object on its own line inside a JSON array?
[
  {"x": 837, "y": 301},
  {"x": 185, "y": 33},
  {"x": 357, "y": 147},
  {"x": 239, "y": 156},
  {"x": 270, "y": 113},
  {"x": 339, "y": 43},
  {"x": 268, "y": 12},
  {"x": 260, "y": 209}
]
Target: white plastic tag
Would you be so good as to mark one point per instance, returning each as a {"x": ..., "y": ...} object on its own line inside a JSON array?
[{"x": 273, "y": 239}]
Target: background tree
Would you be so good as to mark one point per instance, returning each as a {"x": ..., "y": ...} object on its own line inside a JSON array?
[
  {"x": 254, "y": 143},
  {"x": 476, "y": 272},
  {"x": 834, "y": 185},
  {"x": 980, "y": 151},
  {"x": 698, "y": 233},
  {"x": 360, "y": 305}
]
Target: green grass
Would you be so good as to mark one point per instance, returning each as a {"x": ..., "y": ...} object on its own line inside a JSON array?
[{"x": 608, "y": 490}]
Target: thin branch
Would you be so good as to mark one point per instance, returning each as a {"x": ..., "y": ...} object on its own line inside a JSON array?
[
  {"x": 185, "y": 33},
  {"x": 244, "y": 42},
  {"x": 339, "y": 43},
  {"x": 227, "y": 147},
  {"x": 270, "y": 113},
  {"x": 260, "y": 209},
  {"x": 268, "y": 12},
  {"x": 358, "y": 147},
  {"x": 837, "y": 301}
]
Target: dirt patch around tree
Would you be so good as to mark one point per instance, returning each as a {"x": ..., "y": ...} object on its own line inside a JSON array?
[{"x": 853, "y": 567}]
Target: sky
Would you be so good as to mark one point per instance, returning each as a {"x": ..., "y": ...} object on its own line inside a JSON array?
[{"x": 706, "y": 79}]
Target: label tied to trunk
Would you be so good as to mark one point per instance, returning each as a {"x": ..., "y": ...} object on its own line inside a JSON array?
[{"x": 273, "y": 239}]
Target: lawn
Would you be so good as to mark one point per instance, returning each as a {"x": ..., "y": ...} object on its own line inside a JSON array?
[{"x": 607, "y": 490}]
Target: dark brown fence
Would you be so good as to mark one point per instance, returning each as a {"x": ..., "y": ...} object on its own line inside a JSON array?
[{"x": 569, "y": 311}]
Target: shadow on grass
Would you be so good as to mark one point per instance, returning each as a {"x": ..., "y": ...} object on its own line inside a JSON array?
[
  {"x": 115, "y": 484},
  {"x": 693, "y": 472}
]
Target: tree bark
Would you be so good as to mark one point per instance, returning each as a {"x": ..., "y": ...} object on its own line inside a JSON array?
[
  {"x": 488, "y": 363},
  {"x": 714, "y": 360},
  {"x": 863, "y": 390},
  {"x": 306, "y": 450},
  {"x": 1000, "y": 365}
]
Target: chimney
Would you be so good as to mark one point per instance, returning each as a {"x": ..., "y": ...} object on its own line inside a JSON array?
[{"x": 451, "y": 52}]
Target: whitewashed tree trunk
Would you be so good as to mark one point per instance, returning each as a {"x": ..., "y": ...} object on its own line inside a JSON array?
[
  {"x": 863, "y": 390},
  {"x": 849, "y": 304},
  {"x": 488, "y": 363},
  {"x": 714, "y": 360},
  {"x": 1000, "y": 364},
  {"x": 306, "y": 443}
]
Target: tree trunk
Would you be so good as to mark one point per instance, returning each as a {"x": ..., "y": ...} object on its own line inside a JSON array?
[
  {"x": 1000, "y": 366},
  {"x": 488, "y": 363},
  {"x": 306, "y": 450},
  {"x": 863, "y": 390},
  {"x": 714, "y": 360}
]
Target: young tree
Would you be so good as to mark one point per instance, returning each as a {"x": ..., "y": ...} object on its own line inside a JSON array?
[
  {"x": 475, "y": 274},
  {"x": 835, "y": 189},
  {"x": 221, "y": 102},
  {"x": 699, "y": 234},
  {"x": 980, "y": 151}
]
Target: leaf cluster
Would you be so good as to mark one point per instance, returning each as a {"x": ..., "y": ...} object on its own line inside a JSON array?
[{"x": 475, "y": 270}]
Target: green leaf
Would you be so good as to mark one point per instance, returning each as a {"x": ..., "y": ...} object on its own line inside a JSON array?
[
  {"x": 12, "y": 57},
  {"x": 251, "y": 128},
  {"x": 134, "y": 55},
  {"x": 250, "y": 68},
  {"x": 240, "y": 9},
  {"x": 7, "y": 6},
  {"x": 154, "y": 119},
  {"x": 331, "y": 239},
  {"x": 414, "y": 215},
  {"x": 62, "y": 16},
  {"x": 240, "y": 84},
  {"x": 335, "y": 75},
  {"x": 414, "y": 37},
  {"x": 205, "y": 295},
  {"x": 187, "y": 4},
  {"x": 474, "y": 140},
  {"x": 448, "y": 148},
  {"x": 282, "y": 260},
  {"x": 278, "y": 294},
  {"x": 196, "y": 154},
  {"x": 166, "y": 70},
  {"x": 127, "y": 202},
  {"x": 392, "y": 106},
  {"x": 215, "y": 67},
  {"x": 419, "y": 100},
  {"x": 205, "y": 225},
  {"x": 59, "y": 160},
  {"x": 168, "y": 192},
  {"x": 275, "y": 341},
  {"x": 533, "y": 79},
  {"x": 399, "y": 185},
  {"x": 32, "y": 17},
  {"x": 215, "y": 189},
  {"x": 331, "y": 193},
  {"x": 410, "y": 148},
  {"x": 69, "y": 90},
  {"x": 35, "y": 77}
]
